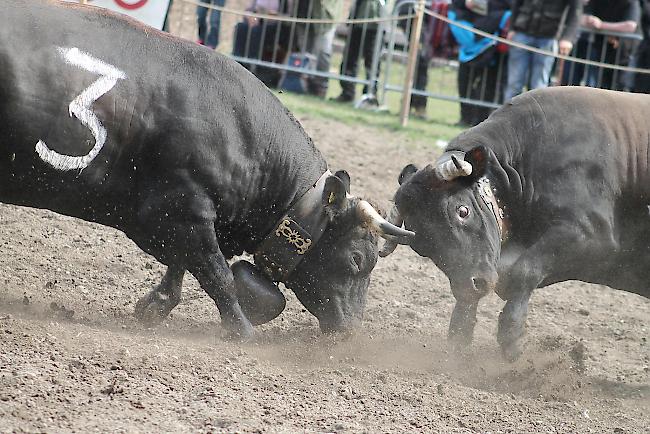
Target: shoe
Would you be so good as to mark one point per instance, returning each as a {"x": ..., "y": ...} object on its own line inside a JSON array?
[
  {"x": 200, "y": 42},
  {"x": 419, "y": 112},
  {"x": 342, "y": 98}
]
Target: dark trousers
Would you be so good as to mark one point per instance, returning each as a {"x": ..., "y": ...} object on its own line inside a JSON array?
[
  {"x": 574, "y": 73},
  {"x": 358, "y": 43},
  {"x": 259, "y": 42},
  {"x": 479, "y": 83},
  {"x": 642, "y": 81},
  {"x": 420, "y": 80},
  {"x": 209, "y": 29}
]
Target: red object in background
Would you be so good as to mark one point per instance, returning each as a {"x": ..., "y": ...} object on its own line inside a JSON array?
[
  {"x": 501, "y": 47},
  {"x": 131, "y": 6},
  {"x": 441, "y": 42}
]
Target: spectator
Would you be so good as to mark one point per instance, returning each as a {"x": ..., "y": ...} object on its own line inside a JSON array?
[
  {"x": 610, "y": 16},
  {"x": 480, "y": 60},
  {"x": 317, "y": 38},
  {"x": 209, "y": 22},
  {"x": 361, "y": 40},
  {"x": 539, "y": 24},
  {"x": 262, "y": 39}
]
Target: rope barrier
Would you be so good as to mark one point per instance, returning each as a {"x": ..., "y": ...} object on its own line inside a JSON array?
[
  {"x": 283, "y": 18},
  {"x": 535, "y": 50}
]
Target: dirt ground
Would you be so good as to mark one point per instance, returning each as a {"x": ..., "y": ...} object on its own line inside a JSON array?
[{"x": 72, "y": 358}]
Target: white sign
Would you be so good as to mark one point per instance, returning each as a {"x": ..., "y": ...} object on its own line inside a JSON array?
[{"x": 151, "y": 12}]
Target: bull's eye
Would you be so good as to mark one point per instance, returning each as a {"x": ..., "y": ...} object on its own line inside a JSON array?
[
  {"x": 357, "y": 262},
  {"x": 463, "y": 212}
]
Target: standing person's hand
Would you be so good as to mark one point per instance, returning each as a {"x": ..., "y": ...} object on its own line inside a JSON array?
[
  {"x": 593, "y": 22},
  {"x": 511, "y": 34},
  {"x": 565, "y": 47}
]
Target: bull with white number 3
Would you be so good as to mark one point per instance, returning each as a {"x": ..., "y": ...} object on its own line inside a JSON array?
[{"x": 189, "y": 155}]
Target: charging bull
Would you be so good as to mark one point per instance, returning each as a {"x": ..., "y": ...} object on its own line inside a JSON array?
[
  {"x": 553, "y": 186},
  {"x": 189, "y": 155}
]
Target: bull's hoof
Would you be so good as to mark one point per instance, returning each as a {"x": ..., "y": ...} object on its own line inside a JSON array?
[
  {"x": 511, "y": 339},
  {"x": 154, "y": 307},
  {"x": 460, "y": 342},
  {"x": 241, "y": 333},
  {"x": 511, "y": 351}
]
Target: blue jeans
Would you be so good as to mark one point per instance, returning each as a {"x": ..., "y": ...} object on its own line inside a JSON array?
[
  {"x": 525, "y": 67},
  {"x": 209, "y": 32}
]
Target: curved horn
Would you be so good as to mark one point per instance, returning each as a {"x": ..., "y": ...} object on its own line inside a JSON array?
[
  {"x": 368, "y": 214},
  {"x": 390, "y": 245},
  {"x": 453, "y": 168}
]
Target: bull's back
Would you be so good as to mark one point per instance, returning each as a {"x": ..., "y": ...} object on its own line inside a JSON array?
[
  {"x": 550, "y": 135},
  {"x": 166, "y": 106}
]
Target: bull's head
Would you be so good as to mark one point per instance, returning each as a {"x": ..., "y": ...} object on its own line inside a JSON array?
[
  {"x": 332, "y": 280},
  {"x": 447, "y": 204}
]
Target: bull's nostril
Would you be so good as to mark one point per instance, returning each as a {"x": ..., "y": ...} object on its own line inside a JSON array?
[{"x": 480, "y": 284}]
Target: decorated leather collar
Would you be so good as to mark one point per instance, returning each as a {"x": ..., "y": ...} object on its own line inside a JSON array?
[
  {"x": 294, "y": 234},
  {"x": 492, "y": 202}
]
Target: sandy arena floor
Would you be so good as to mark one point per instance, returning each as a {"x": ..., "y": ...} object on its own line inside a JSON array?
[{"x": 72, "y": 358}]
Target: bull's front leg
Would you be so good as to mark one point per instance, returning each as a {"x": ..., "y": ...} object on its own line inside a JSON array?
[
  {"x": 157, "y": 303},
  {"x": 463, "y": 321},
  {"x": 512, "y": 325},
  {"x": 209, "y": 266},
  {"x": 559, "y": 251}
]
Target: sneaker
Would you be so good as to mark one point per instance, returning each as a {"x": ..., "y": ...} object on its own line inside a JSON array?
[{"x": 342, "y": 98}]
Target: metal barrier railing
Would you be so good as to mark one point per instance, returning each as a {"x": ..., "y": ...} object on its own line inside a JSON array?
[{"x": 276, "y": 44}]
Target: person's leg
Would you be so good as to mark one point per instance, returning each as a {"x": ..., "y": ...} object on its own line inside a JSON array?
[
  {"x": 540, "y": 72},
  {"x": 241, "y": 39},
  {"x": 322, "y": 49},
  {"x": 518, "y": 67},
  {"x": 573, "y": 72},
  {"x": 464, "y": 71},
  {"x": 368, "y": 50},
  {"x": 201, "y": 15},
  {"x": 350, "y": 63},
  {"x": 212, "y": 40},
  {"x": 418, "y": 102}
]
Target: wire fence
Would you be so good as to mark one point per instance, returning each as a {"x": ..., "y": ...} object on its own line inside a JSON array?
[{"x": 302, "y": 46}]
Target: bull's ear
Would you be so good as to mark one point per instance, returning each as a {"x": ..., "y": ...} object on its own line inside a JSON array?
[
  {"x": 334, "y": 193},
  {"x": 345, "y": 177},
  {"x": 478, "y": 157},
  {"x": 408, "y": 171}
]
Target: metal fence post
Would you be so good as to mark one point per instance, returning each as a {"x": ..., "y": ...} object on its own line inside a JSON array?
[{"x": 414, "y": 46}]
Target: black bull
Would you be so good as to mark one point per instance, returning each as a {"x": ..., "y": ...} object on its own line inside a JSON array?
[
  {"x": 553, "y": 186},
  {"x": 181, "y": 149}
]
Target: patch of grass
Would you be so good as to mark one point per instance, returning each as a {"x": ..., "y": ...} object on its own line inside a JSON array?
[{"x": 439, "y": 126}]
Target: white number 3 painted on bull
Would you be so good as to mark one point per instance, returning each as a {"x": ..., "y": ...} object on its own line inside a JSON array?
[{"x": 80, "y": 108}]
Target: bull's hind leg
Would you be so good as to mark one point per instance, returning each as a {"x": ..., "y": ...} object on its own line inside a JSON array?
[{"x": 157, "y": 303}]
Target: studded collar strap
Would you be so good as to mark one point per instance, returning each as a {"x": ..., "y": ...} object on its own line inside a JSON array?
[
  {"x": 489, "y": 198},
  {"x": 294, "y": 234}
]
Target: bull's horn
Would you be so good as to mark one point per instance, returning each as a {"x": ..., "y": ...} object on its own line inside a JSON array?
[
  {"x": 453, "y": 168},
  {"x": 390, "y": 245},
  {"x": 368, "y": 214}
]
